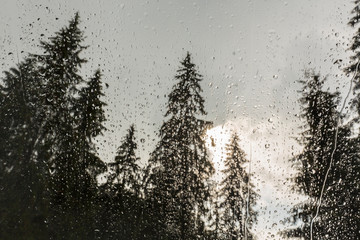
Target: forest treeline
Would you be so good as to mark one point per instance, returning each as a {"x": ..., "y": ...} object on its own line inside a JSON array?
[
  {"x": 50, "y": 116},
  {"x": 49, "y": 166}
]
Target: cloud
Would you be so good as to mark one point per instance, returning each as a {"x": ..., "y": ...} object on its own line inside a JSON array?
[{"x": 269, "y": 146}]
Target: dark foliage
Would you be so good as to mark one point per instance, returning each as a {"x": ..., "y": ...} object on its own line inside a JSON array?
[
  {"x": 179, "y": 164},
  {"x": 48, "y": 161},
  {"x": 49, "y": 166},
  {"x": 338, "y": 215},
  {"x": 353, "y": 67},
  {"x": 237, "y": 193}
]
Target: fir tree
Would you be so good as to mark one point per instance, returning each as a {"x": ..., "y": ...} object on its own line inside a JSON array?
[
  {"x": 180, "y": 165},
  {"x": 334, "y": 220},
  {"x": 353, "y": 68},
  {"x": 126, "y": 168},
  {"x": 89, "y": 116},
  {"x": 238, "y": 194},
  {"x": 216, "y": 227},
  {"x": 48, "y": 161},
  {"x": 72, "y": 119},
  {"x": 23, "y": 171},
  {"x": 123, "y": 188}
]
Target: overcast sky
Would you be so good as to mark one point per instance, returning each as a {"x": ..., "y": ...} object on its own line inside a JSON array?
[{"x": 250, "y": 53}]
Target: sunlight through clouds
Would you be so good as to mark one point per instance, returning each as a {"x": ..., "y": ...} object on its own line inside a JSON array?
[{"x": 270, "y": 168}]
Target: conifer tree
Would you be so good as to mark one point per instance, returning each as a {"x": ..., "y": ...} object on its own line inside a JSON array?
[
  {"x": 216, "y": 228},
  {"x": 48, "y": 161},
  {"x": 123, "y": 187},
  {"x": 126, "y": 168},
  {"x": 23, "y": 169},
  {"x": 60, "y": 64},
  {"x": 353, "y": 68},
  {"x": 238, "y": 194},
  {"x": 73, "y": 118},
  {"x": 89, "y": 116},
  {"x": 180, "y": 165},
  {"x": 338, "y": 217}
]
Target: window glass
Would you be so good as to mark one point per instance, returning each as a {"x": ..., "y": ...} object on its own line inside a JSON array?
[{"x": 179, "y": 119}]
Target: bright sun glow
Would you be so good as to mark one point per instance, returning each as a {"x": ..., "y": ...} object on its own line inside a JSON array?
[{"x": 216, "y": 140}]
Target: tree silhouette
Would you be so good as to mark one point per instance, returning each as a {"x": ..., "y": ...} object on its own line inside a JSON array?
[
  {"x": 180, "y": 165},
  {"x": 126, "y": 168},
  {"x": 238, "y": 194},
  {"x": 23, "y": 154},
  {"x": 334, "y": 220},
  {"x": 353, "y": 68},
  {"x": 89, "y": 117},
  {"x": 73, "y": 117}
]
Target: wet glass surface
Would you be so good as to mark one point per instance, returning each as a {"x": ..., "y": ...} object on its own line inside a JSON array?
[{"x": 179, "y": 120}]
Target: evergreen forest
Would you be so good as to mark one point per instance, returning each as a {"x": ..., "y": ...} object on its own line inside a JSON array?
[{"x": 50, "y": 116}]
